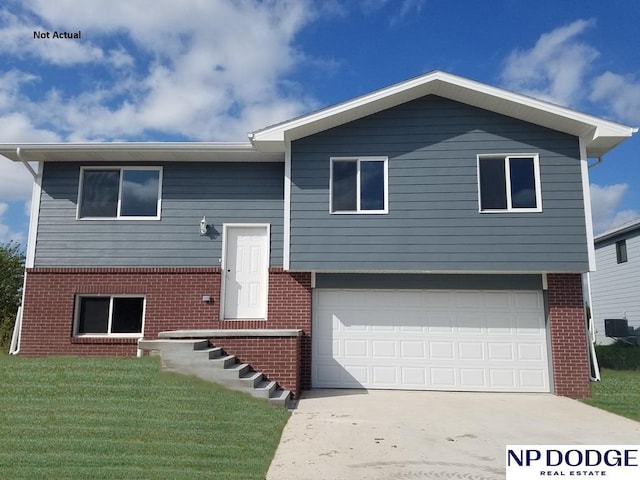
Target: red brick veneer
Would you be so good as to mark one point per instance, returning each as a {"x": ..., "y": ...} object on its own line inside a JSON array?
[
  {"x": 568, "y": 336},
  {"x": 173, "y": 301},
  {"x": 276, "y": 357}
]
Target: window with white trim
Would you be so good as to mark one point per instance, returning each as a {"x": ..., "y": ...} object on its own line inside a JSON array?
[
  {"x": 109, "y": 316},
  {"x": 509, "y": 183},
  {"x": 130, "y": 192},
  {"x": 359, "y": 185}
]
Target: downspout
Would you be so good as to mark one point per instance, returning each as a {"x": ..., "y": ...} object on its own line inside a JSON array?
[
  {"x": 594, "y": 368},
  {"x": 597, "y": 162},
  {"x": 14, "y": 349},
  {"x": 594, "y": 371},
  {"x": 26, "y": 163}
]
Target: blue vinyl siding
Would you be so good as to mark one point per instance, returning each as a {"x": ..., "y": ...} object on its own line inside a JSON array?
[
  {"x": 434, "y": 222},
  {"x": 223, "y": 192}
]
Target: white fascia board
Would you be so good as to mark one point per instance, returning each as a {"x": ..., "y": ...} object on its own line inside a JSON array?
[
  {"x": 455, "y": 88},
  {"x": 138, "y": 151}
]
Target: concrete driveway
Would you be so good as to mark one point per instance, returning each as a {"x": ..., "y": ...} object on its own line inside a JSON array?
[{"x": 359, "y": 434}]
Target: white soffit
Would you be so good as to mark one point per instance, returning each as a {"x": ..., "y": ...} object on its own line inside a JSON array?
[
  {"x": 139, "y": 152},
  {"x": 600, "y": 135}
]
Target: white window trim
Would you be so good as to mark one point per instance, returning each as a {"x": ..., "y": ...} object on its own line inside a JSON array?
[
  {"x": 118, "y": 216},
  {"x": 76, "y": 316},
  {"x": 507, "y": 170},
  {"x": 358, "y": 211}
]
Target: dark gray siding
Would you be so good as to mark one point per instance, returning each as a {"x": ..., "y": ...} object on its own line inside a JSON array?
[
  {"x": 417, "y": 281},
  {"x": 433, "y": 222},
  {"x": 224, "y": 192}
]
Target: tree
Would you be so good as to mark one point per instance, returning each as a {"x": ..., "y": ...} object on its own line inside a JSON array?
[{"x": 11, "y": 276}]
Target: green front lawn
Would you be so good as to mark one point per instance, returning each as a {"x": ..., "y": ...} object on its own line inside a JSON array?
[
  {"x": 618, "y": 392},
  {"x": 79, "y": 418}
]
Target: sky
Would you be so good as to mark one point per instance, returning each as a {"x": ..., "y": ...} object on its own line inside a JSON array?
[{"x": 214, "y": 70}]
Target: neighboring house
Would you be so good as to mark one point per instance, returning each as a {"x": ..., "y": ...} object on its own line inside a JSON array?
[
  {"x": 429, "y": 235},
  {"x": 615, "y": 285}
]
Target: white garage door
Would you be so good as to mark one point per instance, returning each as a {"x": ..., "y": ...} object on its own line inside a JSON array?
[{"x": 430, "y": 340}]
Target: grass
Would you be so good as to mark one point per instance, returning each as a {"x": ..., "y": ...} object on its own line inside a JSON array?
[
  {"x": 618, "y": 392},
  {"x": 79, "y": 418}
]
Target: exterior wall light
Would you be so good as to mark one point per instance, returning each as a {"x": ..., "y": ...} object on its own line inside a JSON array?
[{"x": 203, "y": 226}]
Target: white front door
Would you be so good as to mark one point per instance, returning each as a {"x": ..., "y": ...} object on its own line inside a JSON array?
[{"x": 246, "y": 270}]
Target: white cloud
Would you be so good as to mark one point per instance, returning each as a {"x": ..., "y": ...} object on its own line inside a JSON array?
[
  {"x": 212, "y": 71},
  {"x": 620, "y": 94},
  {"x": 605, "y": 207},
  {"x": 6, "y": 232},
  {"x": 404, "y": 8},
  {"x": 21, "y": 37},
  {"x": 204, "y": 71},
  {"x": 15, "y": 180},
  {"x": 555, "y": 68}
]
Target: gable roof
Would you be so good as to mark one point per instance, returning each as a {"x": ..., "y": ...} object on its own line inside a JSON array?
[
  {"x": 599, "y": 135},
  {"x": 625, "y": 228}
]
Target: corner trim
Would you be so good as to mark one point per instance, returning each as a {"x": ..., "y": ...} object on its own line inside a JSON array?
[
  {"x": 36, "y": 195},
  {"x": 286, "y": 248},
  {"x": 586, "y": 193}
]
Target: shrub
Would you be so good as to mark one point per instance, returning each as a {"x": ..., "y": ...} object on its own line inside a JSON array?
[{"x": 618, "y": 356}]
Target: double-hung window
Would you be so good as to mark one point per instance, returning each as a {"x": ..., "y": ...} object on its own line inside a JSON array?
[
  {"x": 509, "y": 183},
  {"x": 359, "y": 185},
  {"x": 109, "y": 316},
  {"x": 129, "y": 193}
]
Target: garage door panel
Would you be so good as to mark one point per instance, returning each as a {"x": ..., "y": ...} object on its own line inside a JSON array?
[
  {"x": 384, "y": 348},
  {"x": 474, "y": 351},
  {"x": 444, "y": 340},
  {"x": 502, "y": 378},
  {"x": 441, "y": 351},
  {"x": 385, "y": 375},
  {"x": 500, "y": 351},
  {"x": 413, "y": 376},
  {"x": 532, "y": 352},
  {"x": 472, "y": 377},
  {"x": 531, "y": 378},
  {"x": 410, "y": 349},
  {"x": 470, "y": 323}
]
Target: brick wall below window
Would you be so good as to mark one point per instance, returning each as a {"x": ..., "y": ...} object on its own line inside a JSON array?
[{"x": 173, "y": 301}]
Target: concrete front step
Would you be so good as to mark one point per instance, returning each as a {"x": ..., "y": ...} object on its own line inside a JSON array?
[
  {"x": 197, "y": 357},
  {"x": 174, "y": 345},
  {"x": 281, "y": 398}
]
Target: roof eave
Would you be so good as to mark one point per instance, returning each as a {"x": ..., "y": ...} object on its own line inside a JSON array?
[
  {"x": 137, "y": 151},
  {"x": 618, "y": 231},
  {"x": 501, "y": 101}
]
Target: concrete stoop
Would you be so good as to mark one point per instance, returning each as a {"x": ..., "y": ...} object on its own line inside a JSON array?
[{"x": 198, "y": 358}]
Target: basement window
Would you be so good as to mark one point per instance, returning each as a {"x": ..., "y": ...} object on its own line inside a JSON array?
[{"x": 109, "y": 316}]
